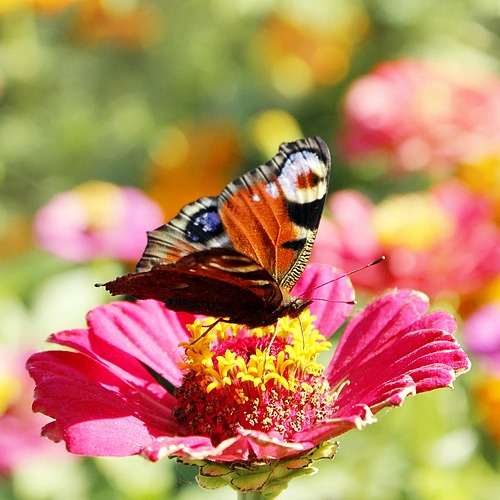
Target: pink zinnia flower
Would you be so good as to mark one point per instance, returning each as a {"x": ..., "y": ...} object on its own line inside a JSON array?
[
  {"x": 97, "y": 220},
  {"x": 441, "y": 241},
  {"x": 19, "y": 428},
  {"x": 482, "y": 335},
  {"x": 421, "y": 116},
  {"x": 128, "y": 387}
]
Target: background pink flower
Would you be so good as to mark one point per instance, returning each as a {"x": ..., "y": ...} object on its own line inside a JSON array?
[
  {"x": 482, "y": 335},
  {"x": 19, "y": 427},
  {"x": 105, "y": 402},
  {"x": 421, "y": 115},
  {"x": 97, "y": 220},
  {"x": 442, "y": 241}
]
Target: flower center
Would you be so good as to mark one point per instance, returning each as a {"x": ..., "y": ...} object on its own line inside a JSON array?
[
  {"x": 264, "y": 379},
  {"x": 101, "y": 202}
]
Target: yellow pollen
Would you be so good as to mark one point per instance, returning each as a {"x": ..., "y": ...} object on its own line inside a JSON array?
[
  {"x": 306, "y": 387},
  {"x": 240, "y": 397},
  {"x": 296, "y": 359}
]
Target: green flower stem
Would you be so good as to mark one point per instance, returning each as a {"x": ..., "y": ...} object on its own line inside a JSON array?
[{"x": 252, "y": 495}]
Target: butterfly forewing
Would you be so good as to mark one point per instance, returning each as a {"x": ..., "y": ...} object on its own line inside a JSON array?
[
  {"x": 197, "y": 227},
  {"x": 272, "y": 213}
]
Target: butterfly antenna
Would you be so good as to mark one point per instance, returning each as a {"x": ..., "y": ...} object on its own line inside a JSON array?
[{"x": 377, "y": 261}]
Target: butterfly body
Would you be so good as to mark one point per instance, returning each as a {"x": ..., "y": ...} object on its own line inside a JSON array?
[{"x": 238, "y": 255}]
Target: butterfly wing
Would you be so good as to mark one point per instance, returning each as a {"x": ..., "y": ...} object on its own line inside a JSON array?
[
  {"x": 272, "y": 213},
  {"x": 197, "y": 227},
  {"x": 237, "y": 255},
  {"x": 217, "y": 282}
]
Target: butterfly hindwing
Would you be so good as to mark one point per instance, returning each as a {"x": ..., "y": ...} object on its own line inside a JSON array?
[
  {"x": 272, "y": 213},
  {"x": 217, "y": 282}
]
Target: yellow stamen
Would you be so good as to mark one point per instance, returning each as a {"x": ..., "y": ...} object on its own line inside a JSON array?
[
  {"x": 297, "y": 358},
  {"x": 336, "y": 393}
]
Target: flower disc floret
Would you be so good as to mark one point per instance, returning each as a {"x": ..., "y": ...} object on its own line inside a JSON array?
[{"x": 264, "y": 379}]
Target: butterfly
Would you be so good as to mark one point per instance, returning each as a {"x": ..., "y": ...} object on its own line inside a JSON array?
[{"x": 237, "y": 256}]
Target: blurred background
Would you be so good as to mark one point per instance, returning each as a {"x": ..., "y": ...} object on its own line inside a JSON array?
[{"x": 115, "y": 113}]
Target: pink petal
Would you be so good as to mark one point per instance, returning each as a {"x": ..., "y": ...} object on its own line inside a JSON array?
[
  {"x": 389, "y": 351},
  {"x": 193, "y": 447},
  {"x": 96, "y": 412},
  {"x": 482, "y": 335},
  {"x": 331, "y": 307},
  {"x": 103, "y": 400},
  {"x": 353, "y": 213},
  {"x": 124, "y": 334},
  {"x": 246, "y": 446},
  {"x": 145, "y": 330},
  {"x": 360, "y": 416},
  {"x": 381, "y": 320},
  {"x": 270, "y": 445}
]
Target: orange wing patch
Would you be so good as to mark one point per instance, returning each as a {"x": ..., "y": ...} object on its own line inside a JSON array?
[
  {"x": 272, "y": 213},
  {"x": 256, "y": 219}
]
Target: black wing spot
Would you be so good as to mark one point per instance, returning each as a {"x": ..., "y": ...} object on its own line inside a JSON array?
[
  {"x": 294, "y": 244},
  {"x": 306, "y": 215}
]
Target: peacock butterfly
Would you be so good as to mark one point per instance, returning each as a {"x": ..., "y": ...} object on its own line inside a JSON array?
[{"x": 237, "y": 256}]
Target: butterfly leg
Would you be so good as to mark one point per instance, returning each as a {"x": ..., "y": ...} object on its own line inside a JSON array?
[
  {"x": 302, "y": 331},
  {"x": 276, "y": 327},
  {"x": 209, "y": 327},
  {"x": 268, "y": 348}
]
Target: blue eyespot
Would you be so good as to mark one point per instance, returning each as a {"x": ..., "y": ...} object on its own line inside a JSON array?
[{"x": 204, "y": 226}]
